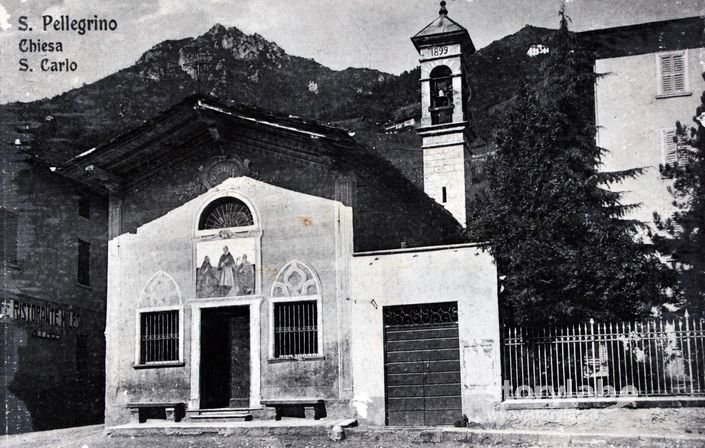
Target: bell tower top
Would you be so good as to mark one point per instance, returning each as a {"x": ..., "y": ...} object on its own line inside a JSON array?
[
  {"x": 444, "y": 47},
  {"x": 443, "y": 30}
]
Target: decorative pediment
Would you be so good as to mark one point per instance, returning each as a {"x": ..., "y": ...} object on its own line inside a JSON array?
[
  {"x": 221, "y": 168},
  {"x": 160, "y": 290},
  {"x": 296, "y": 279}
]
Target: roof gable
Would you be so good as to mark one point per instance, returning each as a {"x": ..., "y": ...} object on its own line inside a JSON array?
[
  {"x": 441, "y": 25},
  {"x": 178, "y": 134}
]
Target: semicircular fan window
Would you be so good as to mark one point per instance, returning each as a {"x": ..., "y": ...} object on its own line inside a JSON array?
[{"x": 225, "y": 213}]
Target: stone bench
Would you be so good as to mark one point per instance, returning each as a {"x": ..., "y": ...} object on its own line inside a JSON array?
[
  {"x": 172, "y": 410},
  {"x": 291, "y": 407}
]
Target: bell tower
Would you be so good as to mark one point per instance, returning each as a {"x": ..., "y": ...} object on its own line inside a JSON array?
[{"x": 443, "y": 47}]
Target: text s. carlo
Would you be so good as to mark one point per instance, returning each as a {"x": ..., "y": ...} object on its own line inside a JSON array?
[{"x": 61, "y": 23}]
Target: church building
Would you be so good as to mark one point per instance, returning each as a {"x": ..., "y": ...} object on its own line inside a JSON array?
[{"x": 265, "y": 266}]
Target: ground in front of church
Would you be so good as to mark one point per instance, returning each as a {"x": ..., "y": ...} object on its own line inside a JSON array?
[{"x": 318, "y": 434}]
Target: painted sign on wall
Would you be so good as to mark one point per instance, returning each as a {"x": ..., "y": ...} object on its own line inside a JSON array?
[{"x": 40, "y": 314}]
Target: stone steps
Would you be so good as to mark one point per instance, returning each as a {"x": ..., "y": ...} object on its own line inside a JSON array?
[{"x": 220, "y": 414}]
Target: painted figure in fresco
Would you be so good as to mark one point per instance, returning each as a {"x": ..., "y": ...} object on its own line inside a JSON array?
[
  {"x": 237, "y": 283},
  {"x": 206, "y": 279},
  {"x": 246, "y": 272},
  {"x": 226, "y": 266}
]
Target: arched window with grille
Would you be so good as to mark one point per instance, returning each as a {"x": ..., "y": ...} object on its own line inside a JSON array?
[
  {"x": 224, "y": 213},
  {"x": 295, "y": 312},
  {"x": 441, "y": 95}
]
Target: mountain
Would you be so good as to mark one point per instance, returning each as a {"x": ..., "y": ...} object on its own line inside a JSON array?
[{"x": 237, "y": 67}]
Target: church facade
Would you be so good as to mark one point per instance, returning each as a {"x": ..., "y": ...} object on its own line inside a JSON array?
[
  {"x": 261, "y": 262},
  {"x": 262, "y": 266}
]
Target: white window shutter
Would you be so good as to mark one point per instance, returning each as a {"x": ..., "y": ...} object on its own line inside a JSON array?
[
  {"x": 672, "y": 73},
  {"x": 669, "y": 147},
  {"x": 667, "y": 84},
  {"x": 678, "y": 73}
]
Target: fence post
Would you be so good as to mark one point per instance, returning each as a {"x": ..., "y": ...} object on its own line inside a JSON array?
[
  {"x": 596, "y": 393},
  {"x": 690, "y": 357}
]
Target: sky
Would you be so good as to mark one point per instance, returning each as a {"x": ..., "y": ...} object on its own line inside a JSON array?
[{"x": 336, "y": 33}]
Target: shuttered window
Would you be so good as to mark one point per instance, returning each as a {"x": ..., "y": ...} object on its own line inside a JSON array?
[
  {"x": 669, "y": 147},
  {"x": 672, "y": 71},
  {"x": 159, "y": 336},
  {"x": 8, "y": 236}
]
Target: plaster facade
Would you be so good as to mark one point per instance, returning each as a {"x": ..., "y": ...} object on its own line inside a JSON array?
[
  {"x": 289, "y": 226},
  {"x": 631, "y": 118},
  {"x": 423, "y": 276}
]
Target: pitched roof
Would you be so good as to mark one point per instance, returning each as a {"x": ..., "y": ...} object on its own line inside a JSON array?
[
  {"x": 643, "y": 38},
  {"x": 168, "y": 138},
  {"x": 443, "y": 30},
  {"x": 441, "y": 25}
]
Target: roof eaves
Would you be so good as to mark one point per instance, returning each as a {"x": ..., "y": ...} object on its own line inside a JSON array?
[
  {"x": 203, "y": 105},
  {"x": 125, "y": 136}
]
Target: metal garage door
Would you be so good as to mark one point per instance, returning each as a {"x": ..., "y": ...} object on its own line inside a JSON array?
[{"x": 422, "y": 364}]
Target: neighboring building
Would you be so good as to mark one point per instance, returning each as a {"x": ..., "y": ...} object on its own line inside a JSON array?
[
  {"x": 537, "y": 49},
  {"x": 402, "y": 125},
  {"x": 652, "y": 76},
  {"x": 53, "y": 250}
]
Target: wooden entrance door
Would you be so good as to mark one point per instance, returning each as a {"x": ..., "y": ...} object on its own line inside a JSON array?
[
  {"x": 225, "y": 357},
  {"x": 422, "y": 365}
]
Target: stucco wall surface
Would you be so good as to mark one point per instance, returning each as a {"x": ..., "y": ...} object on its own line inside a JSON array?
[
  {"x": 465, "y": 274},
  {"x": 630, "y": 117},
  {"x": 292, "y": 226}
]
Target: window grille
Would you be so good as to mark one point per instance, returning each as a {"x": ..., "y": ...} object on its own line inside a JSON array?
[
  {"x": 225, "y": 213},
  {"x": 295, "y": 328},
  {"x": 159, "y": 336},
  {"x": 8, "y": 236},
  {"x": 672, "y": 73}
]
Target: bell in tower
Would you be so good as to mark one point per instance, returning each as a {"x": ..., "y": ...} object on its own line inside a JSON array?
[{"x": 443, "y": 47}]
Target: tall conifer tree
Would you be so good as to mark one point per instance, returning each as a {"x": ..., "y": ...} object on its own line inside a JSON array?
[{"x": 562, "y": 245}]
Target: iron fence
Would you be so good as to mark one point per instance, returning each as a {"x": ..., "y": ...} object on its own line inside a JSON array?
[{"x": 653, "y": 358}]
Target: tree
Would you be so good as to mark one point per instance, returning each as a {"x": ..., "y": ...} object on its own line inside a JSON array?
[
  {"x": 684, "y": 231},
  {"x": 557, "y": 232}
]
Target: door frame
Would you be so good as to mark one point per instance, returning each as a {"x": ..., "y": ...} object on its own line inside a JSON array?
[
  {"x": 429, "y": 325},
  {"x": 197, "y": 305}
]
